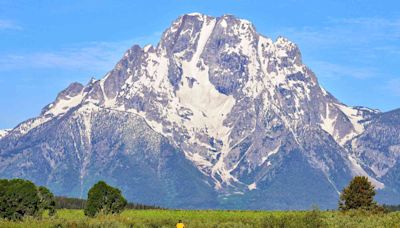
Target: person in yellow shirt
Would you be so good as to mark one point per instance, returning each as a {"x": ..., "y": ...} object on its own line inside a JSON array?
[{"x": 180, "y": 224}]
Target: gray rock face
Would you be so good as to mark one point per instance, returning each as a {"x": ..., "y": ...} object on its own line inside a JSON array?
[
  {"x": 72, "y": 153},
  {"x": 215, "y": 116},
  {"x": 378, "y": 150}
]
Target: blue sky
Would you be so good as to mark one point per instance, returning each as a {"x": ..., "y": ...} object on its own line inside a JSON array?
[{"x": 352, "y": 45}]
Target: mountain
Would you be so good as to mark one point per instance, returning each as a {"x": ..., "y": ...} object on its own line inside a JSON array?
[
  {"x": 3, "y": 133},
  {"x": 215, "y": 116}
]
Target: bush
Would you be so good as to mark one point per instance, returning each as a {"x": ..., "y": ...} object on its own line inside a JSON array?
[
  {"x": 18, "y": 198},
  {"x": 104, "y": 199},
  {"x": 284, "y": 220},
  {"x": 314, "y": 219},
  {"x": 47, "y": 200},
  {"x": 311, "y": 219}
]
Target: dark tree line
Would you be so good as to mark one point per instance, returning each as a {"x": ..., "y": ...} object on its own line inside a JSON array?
[
  {"x": 76, "y": 203},
  {"x": 138, "y": 206},
  {"x": 391, "y": 207},
  {"x": 70, "y": 203}
]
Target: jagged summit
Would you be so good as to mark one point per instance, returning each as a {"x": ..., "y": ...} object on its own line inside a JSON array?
[{"x": 234, "y": 113}]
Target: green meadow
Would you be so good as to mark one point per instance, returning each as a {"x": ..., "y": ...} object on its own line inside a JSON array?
[{"x": 213, "y": 218}]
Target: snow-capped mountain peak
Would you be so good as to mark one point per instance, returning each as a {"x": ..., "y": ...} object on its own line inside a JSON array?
[
  {"x": 236, "y": 105},
  {"x": 194, "y": 86}
]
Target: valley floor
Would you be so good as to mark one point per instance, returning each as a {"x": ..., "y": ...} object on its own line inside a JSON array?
[{"x": 204, "y": 219}]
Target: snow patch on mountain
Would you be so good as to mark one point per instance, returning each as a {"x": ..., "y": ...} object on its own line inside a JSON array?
[
  {"x": 270, "y": 153},
  {"x": 64, "y": 105},
  {"x": 252, "y": 186},
  {"x": 355, "y": 118},
  {"x": 353, "y": 115},
  {"x": 359, "y": 171},
  {"x": 30, "y": 124},
  {"x": 328, "y": 122},
  {"x": 209, "y": 107},
  {"x": 4, "y": 132}
]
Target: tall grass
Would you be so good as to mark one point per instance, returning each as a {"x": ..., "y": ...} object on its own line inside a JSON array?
[{"x": 206, "y": 219}]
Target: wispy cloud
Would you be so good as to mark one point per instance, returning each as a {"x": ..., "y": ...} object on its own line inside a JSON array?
[
  {"x": 332, "y": 70},
  {"x": 393, "y": 86},
  {"x": 350, "y": 47},
  {"x": 9, "y": 25},
  {"x": 84, "y": 56},
  {"x": 81, "y": 56},
  {"x": 377, "y": 25},
  {"x": 351, "y": 31}
]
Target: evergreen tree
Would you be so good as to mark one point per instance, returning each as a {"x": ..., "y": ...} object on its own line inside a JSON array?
[
  {"x": 359, "y": 194},
  {"x": 104, "y": 199}
]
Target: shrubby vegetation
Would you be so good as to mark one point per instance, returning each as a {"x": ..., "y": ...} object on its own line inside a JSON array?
[
  {"x": 104, "y": 199},
  {"x": 20, "y": 198},
  {"x": 47, "y": 200},
  {"x": 312, "y": 219},
  {"x": 105, "y": 204}
]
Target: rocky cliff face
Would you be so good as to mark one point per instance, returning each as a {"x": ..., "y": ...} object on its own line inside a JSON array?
[{"x": 216, "y": 115}]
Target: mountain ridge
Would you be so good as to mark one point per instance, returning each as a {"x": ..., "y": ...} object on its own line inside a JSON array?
[{"x": 237, "y": 107}]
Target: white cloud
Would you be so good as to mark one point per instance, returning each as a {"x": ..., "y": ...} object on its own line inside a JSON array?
[
  {"x": 332, "y": 70},
  {"x": 84, "y": 56},
  {"x": 9, "y": 25}
]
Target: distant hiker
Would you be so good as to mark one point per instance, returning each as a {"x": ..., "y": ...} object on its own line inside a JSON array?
[{"x": 180, "y": 224}]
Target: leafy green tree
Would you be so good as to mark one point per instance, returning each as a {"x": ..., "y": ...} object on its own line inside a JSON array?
[
  {"x": 359, "y": 194},
  {"x": 104, "y": 199},
  {"x": 47, "y": 200},
  {"x": 18, "y": 198}
]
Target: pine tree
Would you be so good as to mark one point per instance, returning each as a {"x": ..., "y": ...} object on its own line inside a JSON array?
[{"x": 359, "y": 194}]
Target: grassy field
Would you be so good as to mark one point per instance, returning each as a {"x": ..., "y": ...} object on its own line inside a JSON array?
[{"x": 204, "y": 219}]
